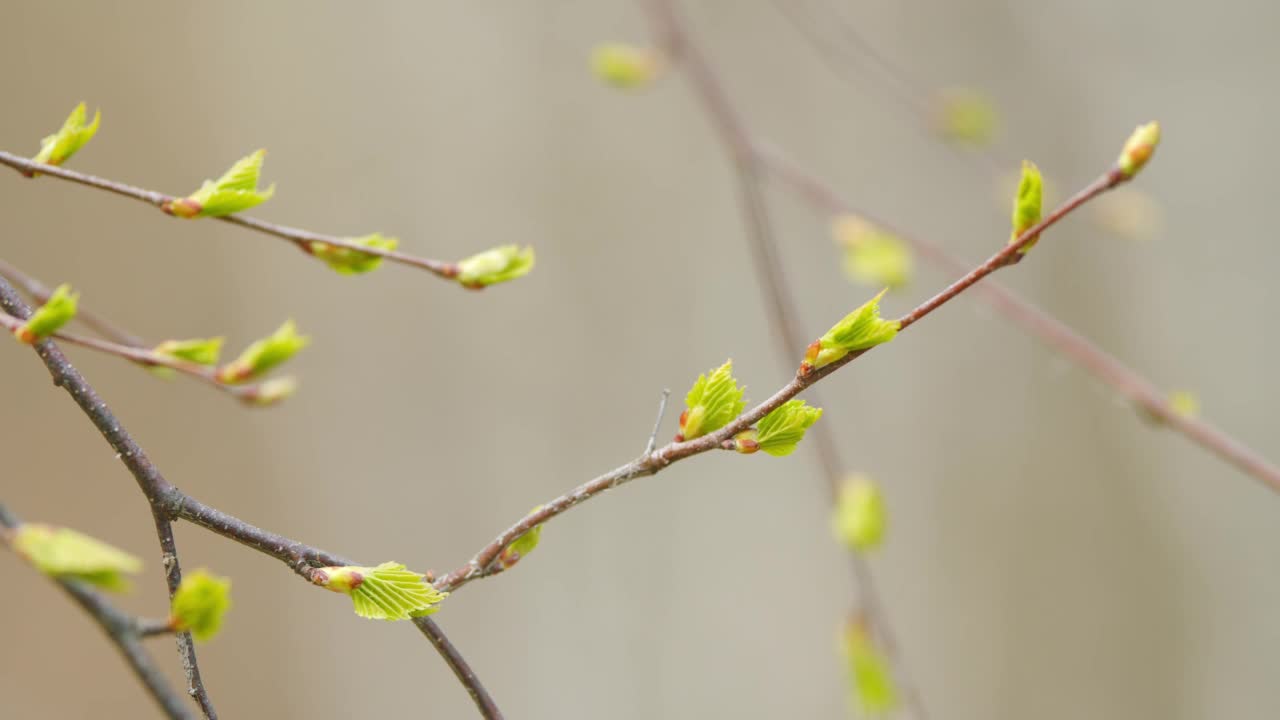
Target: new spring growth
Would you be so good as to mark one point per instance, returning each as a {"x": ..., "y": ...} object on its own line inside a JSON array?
[
  {"x": 860, "y": 517},
  {"x": 199, "y": 604},
  {"x": 1138, "y": 149},
  {"x": 1185, "y": 404},
  {"x": 713, "y": 402},
  {"x": 625, "y": 67},
  {"x": 57, "y": 311},
  {"x": 65, "y": 553},
  {"x": 490, "y": 267},
  {"x": 347, "y": 261},
  {"x": 522, "y": 545},
  {"x": 871, "y": 255},
  {"x": 1026, "y": 205},
  {"x": 264, "y": 355},
  {"x": 871, "y": 685},
  {"x": 235, "y": 191},
  {"x": 272, "y": 391},
  {"x": 57, "y": 148},
  {"x": 386, "y": 592},
  {"x": 780, "y": 431},
  {"x": 859, "y": 330}
]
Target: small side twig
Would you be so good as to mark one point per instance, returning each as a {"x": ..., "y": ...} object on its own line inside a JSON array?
[{"x": 657, "y": 424}]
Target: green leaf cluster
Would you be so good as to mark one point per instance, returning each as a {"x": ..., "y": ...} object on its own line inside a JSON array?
[
  {"x": 236, "y": 191},
  {"x": 57, "y": 148},
  {"x": 264, "y": 355},
  {"x": 859, "y": 330},
  {"x": 713, "y": 402},
  {"x": 497, "y": 265},
  {"x": 200, "y": 603},
  {"x": 47, "y": 319}
]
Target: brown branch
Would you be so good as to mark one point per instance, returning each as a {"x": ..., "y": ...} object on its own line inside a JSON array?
[
  {"x": 1054, "y": 333},
  {"x": 168, "y": 503},
  {"x": 482, "y": 564},
  {"x": 122, "y": 629},
  {"x": 302, "y": 239}
]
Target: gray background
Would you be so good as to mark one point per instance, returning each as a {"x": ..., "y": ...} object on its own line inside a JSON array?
[{"x": 1051, "y": 556}]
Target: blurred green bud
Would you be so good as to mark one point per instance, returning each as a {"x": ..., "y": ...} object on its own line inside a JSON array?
[
  {"x": 871, "y": 683},
  {"x": 872, "y": 256},
  {"x": 200, "y": 603},
  {"x": 860, "y": 516},
  {"x": 235, "y": 191},
  {"x": 201, "y": 351},
  {"x": 347, "y": 261},
  {"x": 65, "y": 553},
  {"x": 57, "y": 311},
  {"x": 1026, "y": 205},
  {"x": 522, "y": 545},
  {"x": 264, "y": 354},
  {"x": 1185, "y": 404},
  {"x": 780, "y": 431},
  {"x": 966, "y": 117},
  {"x": 490, "y": 267},
  {"x": 861, "y": 329},
  {"x": 625, "y": 66},
  {"x": 386, "y": 592},
  {"x": 1138, "y": 149},
  {"x": 713, "y": 402},
  {"x": 57, "y": 148}
]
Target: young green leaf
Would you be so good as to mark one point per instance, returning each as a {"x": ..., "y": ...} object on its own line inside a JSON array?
[
  {"x": 625, "y": 67},
  {"x": 1026, "y": 205},
  {"x": 1138, "y": 149},
  {"x": 860, "y": 516},
  {"x": 781, "y": 430},
  {"x": 65, "y": 553},
  {"x": 235, "y": 191},
  {"x": 861, "y": 329},
  {"x": 57, "y": 311},
  {"x": 871, "y": 681},
  {"x": 347, "y": 261},
  {"x": 713, "y": 402},
  {"x": 200, "y": 603},
  {"x": 521, "y": 546},
  {"x": 871, "y": 255},
  {"x": 386, "y": 592},
  {"x": 201, "y": 351},
  {"x": 490, "y": 267},
  {"x": 264, "y": 354},
  {"x": 60, "y": 146}
]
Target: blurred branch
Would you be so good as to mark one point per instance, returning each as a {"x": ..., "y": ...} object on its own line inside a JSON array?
[
  {"x": 40, "y": 292},
  {"x": 168, "y": 503},
  {"x": 302, "y": 239},
  {"x": 122, "y": 629}
]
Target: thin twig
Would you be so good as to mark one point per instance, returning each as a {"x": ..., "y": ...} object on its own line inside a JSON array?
[
  {"x": 302, "y": 239},
  {"x": 482, "y": 564},
  {"x": 40, "y": 292},
  {"x": 169, "y": 503},
  {"x": 123, "y": 630},
  {"x": 657, "y": 424}
]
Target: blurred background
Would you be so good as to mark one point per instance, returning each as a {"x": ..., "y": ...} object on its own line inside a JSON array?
[{"x": 1051, "y": 555}]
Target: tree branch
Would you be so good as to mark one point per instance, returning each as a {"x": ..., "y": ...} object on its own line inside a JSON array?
[
  {"x": 169, "y": 503},
  {"x": 123, "y": 630},
  {"x": 302, "y": 239}
]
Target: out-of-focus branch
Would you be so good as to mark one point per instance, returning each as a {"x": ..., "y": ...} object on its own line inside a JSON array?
[
  {"x": 302, "y": 239},
  {"x": 1080, "y": 350},
  {"x": 122, "y": 629}
]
